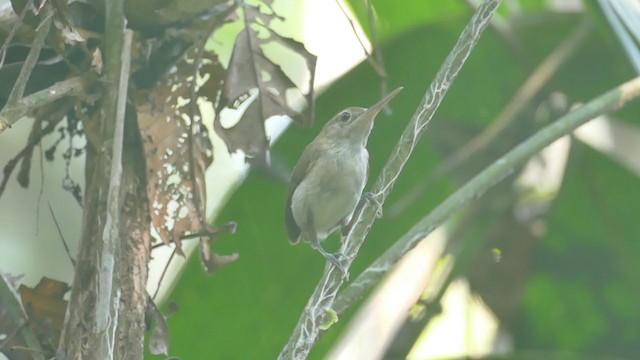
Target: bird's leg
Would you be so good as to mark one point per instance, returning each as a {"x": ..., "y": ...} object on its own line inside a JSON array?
[
  {"x": 332, "y": 258},
  {"x": 346, "y": 226},
  {"x": 311, "y": 236}
]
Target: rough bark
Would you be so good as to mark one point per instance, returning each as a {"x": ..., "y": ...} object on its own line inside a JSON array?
[{"x": 79, "y": 338}]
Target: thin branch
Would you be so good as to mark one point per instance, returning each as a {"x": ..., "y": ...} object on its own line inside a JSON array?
[
  {"x": 318, "y": 308},
  {"x": 10, "y": 114},
  {"x": 14, "y": 30},
  {"x": 27, "y": 67},
  {"x": 530, "y": 88},
  {"x": 64, "y": 242},
  {"x": 541, "y": 75},
  {"x": 371, "y": 60},
  {"x": 377, "y": 53},
  {"x": 164, "y": 272},
  {"x": 609, "y": 101},
  {"x": 31, "y": 143}
]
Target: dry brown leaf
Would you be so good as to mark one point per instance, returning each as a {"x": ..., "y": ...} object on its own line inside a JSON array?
[
  {"x": 252, "y": 76},
  {"x": 176, "y": 192},
  {"x": 12, "y": 319},
  {"x": 45, "y": 307}
]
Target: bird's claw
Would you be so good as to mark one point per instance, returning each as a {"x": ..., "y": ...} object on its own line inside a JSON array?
[{"x": 333, "y": 259}]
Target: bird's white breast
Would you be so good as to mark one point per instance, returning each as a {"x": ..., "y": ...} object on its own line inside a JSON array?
[{"x": 331, "y": 189}]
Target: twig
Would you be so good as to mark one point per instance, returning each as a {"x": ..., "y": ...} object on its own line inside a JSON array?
[
  {"x": 372, "y": 61},
  {"x": 164, "y": 272},
  {"x": 609, "y": 101},
  {"x": 319, "y": 305},
  {"x": 523, "y": 96},
  {"x": 64, "y": 242},
  {"x": 31, "y": 143},
  {"x": 11, "y": 113},
  {"x": 377, "y": 53},
  {"x": 13, "y": 31},
  {"x": 25, "y": 72}
]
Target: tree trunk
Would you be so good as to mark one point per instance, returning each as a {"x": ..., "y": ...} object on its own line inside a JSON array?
[{"x": 81, "y": 334}]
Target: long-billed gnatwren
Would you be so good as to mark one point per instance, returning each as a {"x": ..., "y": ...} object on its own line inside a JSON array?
[{"x": 329, "y": 178}]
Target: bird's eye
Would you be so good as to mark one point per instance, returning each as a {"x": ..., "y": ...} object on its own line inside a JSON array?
[{"x": 345, "y": 116}]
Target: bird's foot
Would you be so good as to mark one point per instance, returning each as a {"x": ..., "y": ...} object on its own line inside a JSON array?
[{"x": 334, "y": 259}]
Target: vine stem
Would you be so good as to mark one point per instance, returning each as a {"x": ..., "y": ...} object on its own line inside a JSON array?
[{"x": 317, "y": 315}]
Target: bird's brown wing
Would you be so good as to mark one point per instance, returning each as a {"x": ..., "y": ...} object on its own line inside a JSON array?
[{"x": 299, "y": 172}]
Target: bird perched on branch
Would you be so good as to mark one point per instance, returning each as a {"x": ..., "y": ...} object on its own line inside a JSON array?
[{"x": 328, "y": 180}]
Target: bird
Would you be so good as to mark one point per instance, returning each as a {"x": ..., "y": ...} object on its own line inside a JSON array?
[{"x": 329, "y": 178}]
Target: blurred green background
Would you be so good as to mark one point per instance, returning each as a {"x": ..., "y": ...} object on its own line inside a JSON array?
[{"x": 580, "y": 279}]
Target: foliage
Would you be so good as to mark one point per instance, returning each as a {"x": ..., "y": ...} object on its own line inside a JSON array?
[
  {"x": 567, "y": 279},
  {"x": 280, "y": 276}
]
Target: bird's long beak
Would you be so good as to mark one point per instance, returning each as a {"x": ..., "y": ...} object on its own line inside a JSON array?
[{"x": 370, "y": 114}]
